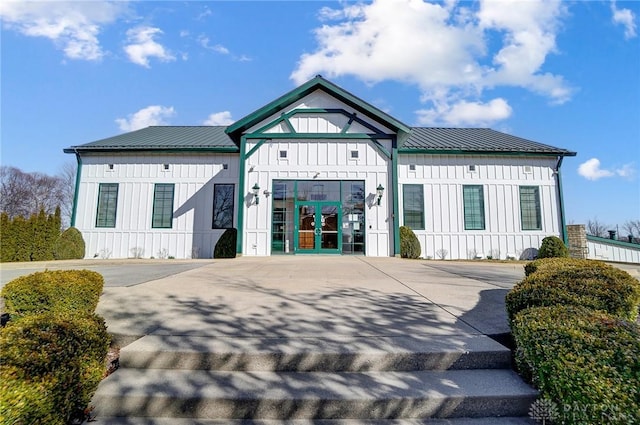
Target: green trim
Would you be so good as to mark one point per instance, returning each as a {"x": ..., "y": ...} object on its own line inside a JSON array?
[
  {"x": 286, "y": 120},
  {"x": 158, "y": 213},
  {"x": 348, "y": 124},
  {"x": 76, "y": 191},
  {"x": 318, "y": 83},
  {"x": 563, "y": 230},
  {"x": 381, "y": 148},
  {"x": 475, "y": 153},
  {"x": 122, "y": 149},
  {"x": 613, "y": 242},
  {"x": 350, "y": 136},
  {"x": 241, "y": 189},
  {"x": 255, "y": 148},
  {"x": 396, "y": 208}
]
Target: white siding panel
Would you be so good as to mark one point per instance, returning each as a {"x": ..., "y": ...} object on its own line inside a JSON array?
[
  {"x": 501, "y": 176},
  {"x": 194, "y": 176}
]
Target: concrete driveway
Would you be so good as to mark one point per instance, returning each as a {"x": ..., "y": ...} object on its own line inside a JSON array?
[
  {"x": 312, "y": 297},
  {"x": 115, "y": 272}
]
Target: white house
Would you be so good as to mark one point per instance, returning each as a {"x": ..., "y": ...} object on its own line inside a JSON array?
[{"x": 317, "y": 171}]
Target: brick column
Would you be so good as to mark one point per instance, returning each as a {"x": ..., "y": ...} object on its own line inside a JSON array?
[{"x": 577, "y": 236}]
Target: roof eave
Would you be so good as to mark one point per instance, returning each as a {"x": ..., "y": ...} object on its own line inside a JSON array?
[
  {"x": 121, "y": 149},
  {"x": 482, "y": 152}
]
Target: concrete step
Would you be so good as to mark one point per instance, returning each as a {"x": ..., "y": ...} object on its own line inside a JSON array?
[
  {"x": 436, "y": 352},
  {"x": 312, "y": 395},
  {"x": 179, "y": 421}
]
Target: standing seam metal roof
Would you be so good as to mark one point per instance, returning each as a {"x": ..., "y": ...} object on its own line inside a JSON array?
[
  {"x": 164, "y": 138},
  {"x": 421, "y": 139}
]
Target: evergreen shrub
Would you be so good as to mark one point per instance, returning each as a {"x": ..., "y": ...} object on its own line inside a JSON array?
[
  {"x": 409, "y": 243},
  {"x": 585, "y": 283},
  {"x": 584, "y": 361},
  {"x": 72, "y": 291},
  {"x": 553, "y": 247},
  {"x": 226, "y": 245},
  {"x": 69, "y": 245},
  {"x": 50, "y": 367}
]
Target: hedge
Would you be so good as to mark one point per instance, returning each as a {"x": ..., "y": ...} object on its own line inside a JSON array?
[
  {"x": 589, "y": 284},
  {"x": 584, "y": 361},
  {"x": 51, "y": 365},
  {"x": 29, "y": 239},
  {"x": 76, "y": 291},
  {"x": 552, "y": 264},
  {"x": 409, "y": 243}
]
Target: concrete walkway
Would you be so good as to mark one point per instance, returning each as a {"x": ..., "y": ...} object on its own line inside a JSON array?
[{"x": 319, "y": 296}]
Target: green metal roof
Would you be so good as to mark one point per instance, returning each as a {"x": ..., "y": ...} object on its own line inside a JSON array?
[
  {"x": 318, "y": 83},
  {"x": 473, "y": 140},
  {"x": 420, "y": 140},
  {"x": 204, "y": 138}
]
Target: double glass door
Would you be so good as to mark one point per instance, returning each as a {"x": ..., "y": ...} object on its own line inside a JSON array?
[{"x": 318, "y": 227}]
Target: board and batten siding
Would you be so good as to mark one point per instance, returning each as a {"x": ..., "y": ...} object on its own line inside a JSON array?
[
  {"x": 603, "y": 250},
  {"x": 317, "y": 160},
  {"x": 443, "y": 178},
  {"x": 191, "y": 234}
]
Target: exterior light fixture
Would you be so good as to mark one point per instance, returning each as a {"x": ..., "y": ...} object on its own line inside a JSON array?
[
  {"x": 256, "y": 190},
  {"x": 379, "y": 192}
]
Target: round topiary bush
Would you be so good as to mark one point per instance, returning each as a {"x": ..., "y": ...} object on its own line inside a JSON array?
[
  {"x": 409, "y": 243},
  {"x": 69, "y": 245},
  {"x": 552, "y": 247}
]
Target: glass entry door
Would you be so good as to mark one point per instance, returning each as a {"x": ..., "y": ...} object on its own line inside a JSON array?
[{"x": 318, "y": 227}]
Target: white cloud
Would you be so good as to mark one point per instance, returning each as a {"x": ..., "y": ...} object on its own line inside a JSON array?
[
  {"x": 218, "y": 48},
  {"x": 145, "y": 117},
  {"x": 73, "y": 26},
  {"x": 466, "y": 113},
  {"x": 142, "y": 46},
  {"x": 443, "y": 48},
  {"x": 591, "y": 170},
  {"x": 627, "y": 171},
  {"x": 219, "y": 118},
  {"x": 626, "y": 18}
]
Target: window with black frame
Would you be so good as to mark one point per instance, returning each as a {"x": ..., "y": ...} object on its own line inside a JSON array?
[{"x": 223, "y": 203}]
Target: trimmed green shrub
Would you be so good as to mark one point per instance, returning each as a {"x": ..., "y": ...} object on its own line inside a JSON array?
[
  {"x": 583, "y": 283},
  {"x": 24, "y": 401},
  {"x": 553, "y": 247},
  {"x": 556, "y": 263},
  {"x": 57, "y": 357},
  {"x": 409, "y": 243},
  {"x": 73, "y": 291},
  {"x": 585, "y": 361},
  {"x": 226, "y": 245},
  {"x": 69, "y": 245}
]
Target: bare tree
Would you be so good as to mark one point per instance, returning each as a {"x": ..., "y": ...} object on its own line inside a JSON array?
[
  {"x": 632, "y": 227},
  {"x": 597, "y": 228},
  {"x": 23, "y": 194},
  {"x": 67, "y": 175}
]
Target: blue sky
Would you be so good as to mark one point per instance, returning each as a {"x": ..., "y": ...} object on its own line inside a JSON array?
[{"x": 560, "y": 73}]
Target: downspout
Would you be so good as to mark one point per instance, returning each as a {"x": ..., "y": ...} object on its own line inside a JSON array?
[
  {"x": 241, "y": 195},
  {"x": 76, "y": 190},
  {"x": 395, "y": 188},
  {"x": 563, "y": 230}
]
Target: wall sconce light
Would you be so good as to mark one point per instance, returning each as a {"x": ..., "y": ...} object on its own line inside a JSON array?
[
  {"x": 256, "y": 190},
  {"x": 379, "y": 192}
]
